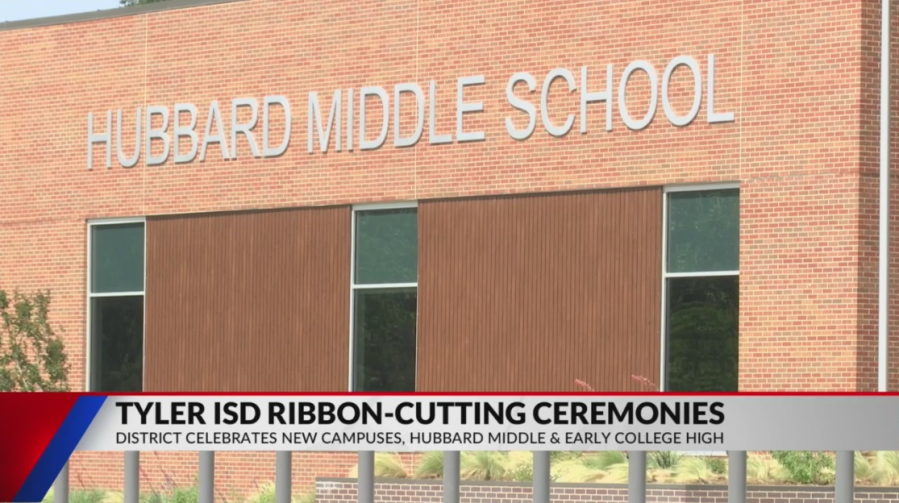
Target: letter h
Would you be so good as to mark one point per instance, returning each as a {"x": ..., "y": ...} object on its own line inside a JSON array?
[{"x": 99, "y": 138}]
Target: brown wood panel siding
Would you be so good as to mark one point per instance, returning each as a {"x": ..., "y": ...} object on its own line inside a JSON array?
[
  {"x": 533, "y": 292},
  {"x": 248, "y": 301}
]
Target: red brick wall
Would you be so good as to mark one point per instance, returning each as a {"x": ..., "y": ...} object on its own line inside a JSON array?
[
  {"x": 390, "y": 491},
  {"x": 236, "y": 474},
  {"x": 797, "y": 74},
  {"x": 869, "y": 201}
]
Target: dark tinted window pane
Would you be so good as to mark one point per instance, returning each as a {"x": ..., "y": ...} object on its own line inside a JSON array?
[
  {"x": 704, "y": 231},
  {"x": 117, "y": 258},
  {"x": 384, "y": 342},
  {"x": 702, "y": 334},
  {"x": 387, "y": 246},
  {"x": 117, "y": 356}
]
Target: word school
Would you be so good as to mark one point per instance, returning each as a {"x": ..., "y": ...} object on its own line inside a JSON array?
[{"x": 342, "y": 119}]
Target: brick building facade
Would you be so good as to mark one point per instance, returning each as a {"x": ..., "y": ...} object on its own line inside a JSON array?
[{"x": 799, "y": 156}]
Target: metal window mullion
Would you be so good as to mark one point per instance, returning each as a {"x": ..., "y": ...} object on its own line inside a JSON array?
[
  {"x": 701, "y": 187},
  {"x": 373, "y": 207},
  {"x": 663, "y": 361},
  {"x": 352, "y": 334},
  {"x": 91, "y": 295},
  {"x": 700, "y": 274},
  {"x": 115, "y": 294},
  {"x": 663, "y": 377},
  {"x": 96, "y": 295},
  {"x": 385, "y": 286},
  {"x": 396, "y": 205}
]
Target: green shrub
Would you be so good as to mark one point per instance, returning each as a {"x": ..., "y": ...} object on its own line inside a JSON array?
[
  {"x": 265, "y": 494},
  {"x": 174, "y": 495},
  {"x": 87, "y": 496},
  {"x": 560, "y": 456},
  {"x": 483, "y": 465},
  {"x": 663, "y": 460},
  {"x": 603, "y": 460},
  {"x": 431, "y": 466},
  {"x": 806, "y": 467},
  {"x": 863, "y": 468},
  {"x": 718, "y": 466},
  {"x": 693, "y": 470},
  {"x": 521, "y": 473},
  {"x": 520, "y": 466},
  {"x": 387, "y": 466},
  {"x": 886, "y": 468},
  {"x": 617, "y": 473},
  {"x": 762, "y": 470},
  {"x": 574, "y": 470}
]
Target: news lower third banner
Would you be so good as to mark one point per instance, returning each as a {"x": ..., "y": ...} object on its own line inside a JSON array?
[{"x": 40, "y": 431}]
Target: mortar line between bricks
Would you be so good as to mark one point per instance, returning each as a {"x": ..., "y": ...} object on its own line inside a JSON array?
[
  {"x": 742, "y": 89},
  {"x": 417, "y": 76},
  {"x": 143, "y": 195}
]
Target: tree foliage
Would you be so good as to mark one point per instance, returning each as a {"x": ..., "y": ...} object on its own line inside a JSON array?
[
  {"x": 128, "y": 3},
  {"x": 806, "y": 467},
  {"x": 32, "y": 356}
]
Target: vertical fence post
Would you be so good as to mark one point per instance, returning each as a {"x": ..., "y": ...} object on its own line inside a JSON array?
[
  {"x": 736, "y": 477},
  {"x": 451, "y": 477},
  {"x": 636, "y": 477},
  {"x": 541, "y": 476},
  {"x": 283, "y": 481},
  {"x": 61, "y": 486},
  {"x": 132, "y": 477},
  {"x": 366, "y": 482},
  {"x": 206, "y": 479},
  {"x": 844, "y": 486}
]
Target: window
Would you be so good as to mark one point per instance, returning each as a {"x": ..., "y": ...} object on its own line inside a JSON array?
[
  {"x": 384, "y": 298},
  {"x": 116, "y": 305},
  {"x": 701, "y": 289}
]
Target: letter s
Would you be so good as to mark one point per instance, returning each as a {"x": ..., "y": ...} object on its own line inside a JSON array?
[
  {"x": 716, "y": 411},
  {"x": 520, "y": 104}
]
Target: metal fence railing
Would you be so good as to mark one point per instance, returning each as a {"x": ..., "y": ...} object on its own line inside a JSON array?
[{"x": 843, "y": 489}]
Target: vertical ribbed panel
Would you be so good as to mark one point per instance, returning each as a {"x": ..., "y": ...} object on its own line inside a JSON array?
[
  {"x": 248, "y": 301},
  {"x": 533, "y": 292}
]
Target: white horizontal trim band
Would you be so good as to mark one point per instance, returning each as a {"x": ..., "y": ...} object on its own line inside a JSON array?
[
  {"x": 385, "y": 206},
  {"x": 116, "y": 294},
  {"x": 113, "y": 221},
  {"x": 385, "y": 286},
  {"x": 696, "y": 187}
]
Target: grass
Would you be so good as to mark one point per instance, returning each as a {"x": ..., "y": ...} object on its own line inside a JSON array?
[
  {"x": 175, "y": 495},
  {"x": 387, "y": 465},
  {"x": 431, "y": 466},
  {"x": 483, "y": 465}
]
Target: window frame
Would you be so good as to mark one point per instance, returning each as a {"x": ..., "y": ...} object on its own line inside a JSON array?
[
  {"x": 90, "y": 296},
  {"x": 693, "y": 187},
  {"x": 398, "y": 205}
]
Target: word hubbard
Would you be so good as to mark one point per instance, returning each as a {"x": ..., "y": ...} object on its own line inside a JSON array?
[{"x": 346, "y": 126}]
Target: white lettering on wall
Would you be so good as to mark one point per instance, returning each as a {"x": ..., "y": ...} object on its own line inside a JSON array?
[
  {"x": 315, "y": 122},
  {"x": 520, "y": 104},
  {"x": 184, "y": 129},
  {"x": 180, "y": 131},
  {"x": 128, "y": 162},
  {"x": 544, "y": 102}
]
